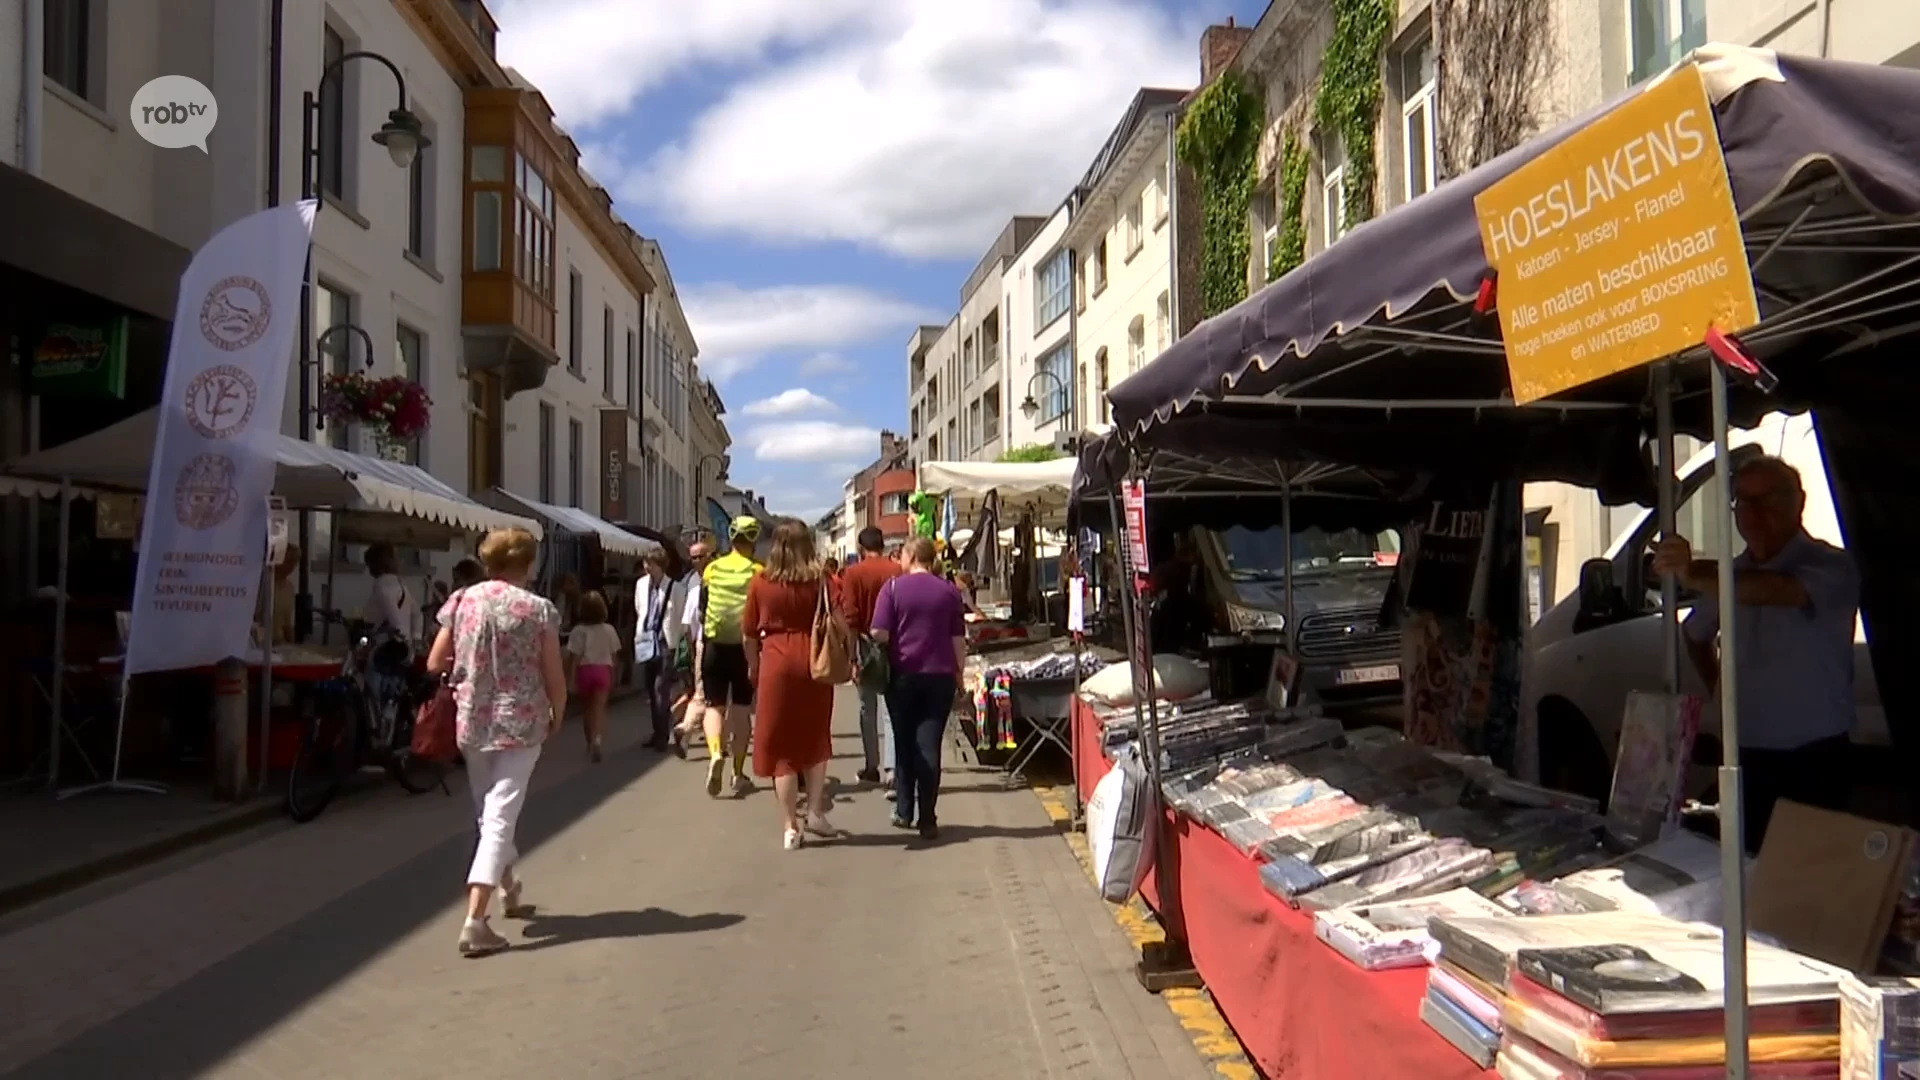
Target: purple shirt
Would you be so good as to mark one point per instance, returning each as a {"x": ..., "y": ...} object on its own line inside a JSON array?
[{"x": 922, "y": 614}]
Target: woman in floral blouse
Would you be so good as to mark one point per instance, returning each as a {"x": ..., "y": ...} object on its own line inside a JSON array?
[{"x": 501, "y": 645}]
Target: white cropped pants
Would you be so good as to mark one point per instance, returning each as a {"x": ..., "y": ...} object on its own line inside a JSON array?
[{"x": 498, "y": 780}]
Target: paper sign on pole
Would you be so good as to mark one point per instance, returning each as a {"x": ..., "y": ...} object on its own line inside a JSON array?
[
  {"x": 1077, "y": 605},
  {"x": 277, "y": 530},
  {"x": 1133, "y": 503},
  {"x": 1619, "y": 246},
  {"x": 203, "y": 537}
]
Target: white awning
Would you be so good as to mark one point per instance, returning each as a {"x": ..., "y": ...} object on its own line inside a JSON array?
[
  {"x": 575, "y": 520},
  {"x": 309, "y": 477},
  {"x": 27, "y": 489},
  {"x": 1012, "y": 479}
]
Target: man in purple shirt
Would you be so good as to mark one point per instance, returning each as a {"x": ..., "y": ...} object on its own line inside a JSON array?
[{"x": 921, "y": 620}]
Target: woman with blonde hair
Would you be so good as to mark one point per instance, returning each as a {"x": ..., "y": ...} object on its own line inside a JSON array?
[
  {"x": 793, "y": 727},
  {"x": 499, "y": 645}
]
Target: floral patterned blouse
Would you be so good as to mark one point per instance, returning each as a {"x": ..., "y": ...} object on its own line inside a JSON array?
[{"x": 501, "y": 695}]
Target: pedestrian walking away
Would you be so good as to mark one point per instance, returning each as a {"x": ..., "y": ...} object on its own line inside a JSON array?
[
  {"x": 793, "y": 721},
  {"x": 684, "y": 631},
  {"x": 860, "y": 585},
  {"x": 592, "y": 647},
  {"x": 500, "y": 646},
  {"x": 654, "y": 599},
  {"x": 725, "y": 683},
  {"x": 920, "y": 617}
]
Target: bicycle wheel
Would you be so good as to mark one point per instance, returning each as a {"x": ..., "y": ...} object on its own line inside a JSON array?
[
  {"x": 416, "y": 775},
  {"x": 321, "y": 764}
]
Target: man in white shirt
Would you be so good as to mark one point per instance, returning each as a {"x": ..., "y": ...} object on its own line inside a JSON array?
[
  {"x": 654, "y": 599},
  {"x": 685, "y": 625}
]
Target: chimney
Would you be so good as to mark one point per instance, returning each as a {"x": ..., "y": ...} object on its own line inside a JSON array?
[{"x": 1218, "y": 46}]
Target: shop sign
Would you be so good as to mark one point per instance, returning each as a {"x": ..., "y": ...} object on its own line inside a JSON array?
[
  {"x": 81, "y": 360},
  {"x": 1133, "y": 503},
  {"x": 613, "y": 464},
  {"x": 1619, "y": 246}
]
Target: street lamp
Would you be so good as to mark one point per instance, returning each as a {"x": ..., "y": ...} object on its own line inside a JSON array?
[
  {"x": 403, "y": 137},
  {"x": 1030, "y": 407}
]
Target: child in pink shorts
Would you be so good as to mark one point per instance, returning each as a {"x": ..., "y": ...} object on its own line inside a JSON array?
[{"x": 591, "y": 649}]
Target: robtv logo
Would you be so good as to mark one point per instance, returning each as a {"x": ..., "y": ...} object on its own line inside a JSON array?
[{"x": 174, "y": 111}]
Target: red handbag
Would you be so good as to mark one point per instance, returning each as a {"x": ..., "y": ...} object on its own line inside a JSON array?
[{"x": 436, "y": 726}]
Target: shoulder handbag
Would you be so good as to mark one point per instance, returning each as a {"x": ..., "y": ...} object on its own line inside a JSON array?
[
  {"x": 875, "y": 670},
  {"x": 436, "y": 725},
  {"x": 830, "y": 645}
]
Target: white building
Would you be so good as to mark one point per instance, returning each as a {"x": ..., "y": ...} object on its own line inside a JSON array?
[
  {"x": 1039, "y": 336},
  {"x": 1121, "y": 236},
  {"x": 670, "y": 380}
]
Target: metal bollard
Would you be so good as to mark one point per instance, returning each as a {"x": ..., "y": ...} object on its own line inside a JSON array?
[{"x": 230, "y": 730}]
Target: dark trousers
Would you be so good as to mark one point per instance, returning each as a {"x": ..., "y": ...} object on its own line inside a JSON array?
[
  {"x": 656, "y": 678},
  {"x": 1814, "y": 774},
  {"x": 918, "y": 706}
]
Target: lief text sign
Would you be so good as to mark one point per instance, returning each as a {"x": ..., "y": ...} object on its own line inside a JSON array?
[{"x": 1619, "y": 246}]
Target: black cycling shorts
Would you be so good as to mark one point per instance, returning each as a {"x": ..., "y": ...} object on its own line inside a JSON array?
[{"x": 723, "y": 675}]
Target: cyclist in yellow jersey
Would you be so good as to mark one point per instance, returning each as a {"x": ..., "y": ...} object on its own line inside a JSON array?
[{"x": 723, "y": 659}]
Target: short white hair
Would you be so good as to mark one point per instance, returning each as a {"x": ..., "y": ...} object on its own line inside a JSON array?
[{"x": 1778, "y": 467}]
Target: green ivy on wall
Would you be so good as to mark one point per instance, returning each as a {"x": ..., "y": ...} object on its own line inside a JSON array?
[
  {"x": 1348, "y": 103},
  {"x": 1218, "y": 139},
  {"x": 1291, "y": 250}
]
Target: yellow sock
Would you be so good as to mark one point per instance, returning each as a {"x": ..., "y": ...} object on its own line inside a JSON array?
[
  {"x": 739, "y": 764},
  {"x": 713, "y": 747}
]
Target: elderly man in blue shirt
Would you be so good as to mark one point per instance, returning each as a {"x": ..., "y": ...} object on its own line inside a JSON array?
[{"x": 1797, "y": 599}]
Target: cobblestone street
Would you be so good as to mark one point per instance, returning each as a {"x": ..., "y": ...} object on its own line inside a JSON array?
[{"x": 674, "y": 938}]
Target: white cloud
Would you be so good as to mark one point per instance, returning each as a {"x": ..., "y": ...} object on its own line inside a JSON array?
[
  {"x": 812, "y": 440},
  {"x": 738, "y": 327},
  {"x": 827, "y": 364},
  {"x": 788, "y": 403},
  {"x": 916, "y": 127}
]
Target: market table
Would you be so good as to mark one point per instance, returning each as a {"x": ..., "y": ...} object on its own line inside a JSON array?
[{"x": 1300, "y": 1009}]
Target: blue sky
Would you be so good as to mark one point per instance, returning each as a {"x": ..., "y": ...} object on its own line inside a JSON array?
[{"x": 823, "y": 174}]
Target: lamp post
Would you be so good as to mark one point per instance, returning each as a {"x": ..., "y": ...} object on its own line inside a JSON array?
[
  {"x": 1030, "y": 407},
  {"x": 699, "y": 474},
  {"x": 403, "y": 138}
]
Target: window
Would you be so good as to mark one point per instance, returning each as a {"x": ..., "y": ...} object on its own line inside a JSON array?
[
  {"x": 576, "y": 322},
  {"x": 1136, "y": 346},
  {"x": 969, "y": 365},
  {"x": 1097, "y": 268},
  {"x": 990, "y": 413},
  {"x": 333, "y": 307},
  {"x": 606, "y": 351},
  {"x": 483, "y": 430},
  {"x": 1053, "y": 288},
  {"x": 333, "y": 142},
  {"x": 1134, "y": 229},
  {"x": 1417, "y": 140},
  {"x": 421, "y": 177},
  {"x": 576, "y": 443},
  {"x": 975, "y": 432},
  {"x": 67, "y": 52},
  {"x": 633, "y": 377},
  {"x": 1056, "y": 397},
  {"x": 1662, "y": 31},
  {"x": 487, "y": 165},
  {"x": 534, "y": 231},
  {"x": 1158, "y": 193},
  {"x": 1102, "y": 380},
  {"x": 1162, "y": 323},
  {"x": 544, "y": 486},
  {"x": 410, "y": 350},
  {"x": 1333, "y": 191}
]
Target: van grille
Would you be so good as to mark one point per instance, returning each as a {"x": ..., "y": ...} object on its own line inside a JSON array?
[{"x": 1349, "y": 633}]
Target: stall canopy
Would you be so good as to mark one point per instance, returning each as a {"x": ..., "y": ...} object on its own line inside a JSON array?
[
  {"x": 574, "y": 520},
  {"x": 309, "y": 476},
  {"x": 1042, "y": 485},
  {"x": 1366, "y": 340}
]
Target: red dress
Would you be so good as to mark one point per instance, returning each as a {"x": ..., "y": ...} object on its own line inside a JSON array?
[{"x": 792, "y": 714}]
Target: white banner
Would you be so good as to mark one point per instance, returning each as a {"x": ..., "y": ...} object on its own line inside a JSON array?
[{"x": 204, "y": 534}]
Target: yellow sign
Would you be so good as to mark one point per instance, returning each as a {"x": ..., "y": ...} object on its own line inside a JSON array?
[{"x": 1619, "y": 246}]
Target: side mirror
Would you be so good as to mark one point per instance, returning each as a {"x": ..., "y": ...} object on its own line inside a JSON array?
[{"x": 1596, "y": 587}]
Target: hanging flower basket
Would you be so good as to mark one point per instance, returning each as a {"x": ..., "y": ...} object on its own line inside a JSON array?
[{"x": 394, "y": 409}]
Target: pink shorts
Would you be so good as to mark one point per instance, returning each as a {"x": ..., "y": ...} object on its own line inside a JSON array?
[{"x": 589, "y": 679}]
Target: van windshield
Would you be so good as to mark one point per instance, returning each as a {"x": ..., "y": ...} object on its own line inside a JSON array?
[{"x": 1261, "y": 554}]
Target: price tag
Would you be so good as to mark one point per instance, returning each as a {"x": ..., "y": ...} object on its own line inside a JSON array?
[{"x": 1077, "y": 605}]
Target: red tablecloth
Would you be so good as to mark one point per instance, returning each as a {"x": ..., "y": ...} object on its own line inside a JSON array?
[{"x": 1300, "y": 1008}]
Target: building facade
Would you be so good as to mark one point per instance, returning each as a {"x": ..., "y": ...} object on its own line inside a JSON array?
[
  {"x": 707, "y": 445},
  {"x": 1120, "y": 233},
  {"x": 984, "y": 300},
  {"x": 933, "y": 392},
  {"x": 669, "y": 381},
  {"x": 1039, "y": 336}
]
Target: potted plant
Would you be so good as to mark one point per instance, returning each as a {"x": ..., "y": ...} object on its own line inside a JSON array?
[{"x": 394, "y": 409}]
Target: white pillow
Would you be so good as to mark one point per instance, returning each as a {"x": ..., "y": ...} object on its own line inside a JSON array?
[{"x": 1175, "y": 678}]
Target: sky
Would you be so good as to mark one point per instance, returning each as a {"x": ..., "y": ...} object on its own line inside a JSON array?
[{"x": 823, "y": 175}]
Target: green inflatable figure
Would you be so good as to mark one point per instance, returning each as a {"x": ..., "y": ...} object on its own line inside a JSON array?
[{"x": 922, "y": 506}]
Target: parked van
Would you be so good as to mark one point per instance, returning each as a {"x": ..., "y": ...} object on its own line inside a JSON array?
[{"x": 1594, "y": 647}]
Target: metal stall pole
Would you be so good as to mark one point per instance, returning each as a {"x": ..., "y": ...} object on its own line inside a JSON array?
[
  {"x": 266, "y": 682},
  {"x": 1668, "y": 509},
  {"x": 1291, "y": 629},
  {"x": 1733, "y": 941},
  {"x": 59, "y": 668}
]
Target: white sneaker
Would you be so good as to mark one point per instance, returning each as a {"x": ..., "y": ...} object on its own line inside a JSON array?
[
  {"x": 478, "y": 939},
  {"x": 742, "y": 787},
  {"x": 793, "y": 840},
  {"x": 716, "y": 775},
  {"x": 818, "y": 825}
]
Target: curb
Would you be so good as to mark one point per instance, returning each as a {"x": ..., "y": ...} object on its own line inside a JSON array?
[
  {"x": 68, "y": 878},
  {"x": 1212, "y": 1037}
]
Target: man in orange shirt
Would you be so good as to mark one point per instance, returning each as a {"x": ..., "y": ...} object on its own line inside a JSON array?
[{"x": 860, "y": 586}]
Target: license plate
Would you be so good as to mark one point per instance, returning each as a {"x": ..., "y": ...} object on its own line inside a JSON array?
[{"x": 1377, "y": 673}]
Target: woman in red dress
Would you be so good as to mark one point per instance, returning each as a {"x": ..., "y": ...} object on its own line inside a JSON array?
[{"x": 793, "y": 714}]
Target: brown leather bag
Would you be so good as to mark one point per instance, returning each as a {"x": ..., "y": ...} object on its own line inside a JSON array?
[
  {"x": 830, "y": 645},
  {"x": 436, "y": 725}
]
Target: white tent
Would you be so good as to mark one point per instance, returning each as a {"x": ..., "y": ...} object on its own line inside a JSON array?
[
  {"x": 1041, "y": 485},
  {"x": 309, "y": 476},
  {"x": 575, "y": 520}
]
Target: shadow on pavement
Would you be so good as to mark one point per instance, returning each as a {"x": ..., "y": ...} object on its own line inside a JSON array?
[
  {"x": 949, "y": 834},
  {"x": 548, "y": 931},
  {"x": 192, "y": 1027}
]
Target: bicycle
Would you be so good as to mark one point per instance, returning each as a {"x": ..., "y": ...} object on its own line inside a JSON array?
[{"x": 363, "y": 716}]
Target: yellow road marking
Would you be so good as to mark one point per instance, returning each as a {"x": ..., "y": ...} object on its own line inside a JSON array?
[{"x": 1212, "y": 1038}]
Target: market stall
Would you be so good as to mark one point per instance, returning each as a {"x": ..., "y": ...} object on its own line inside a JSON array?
[{"x": 1384, "y": 352}]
